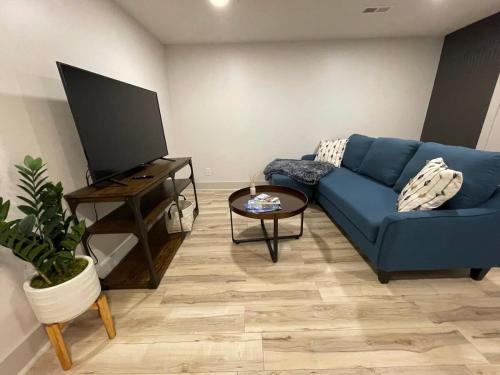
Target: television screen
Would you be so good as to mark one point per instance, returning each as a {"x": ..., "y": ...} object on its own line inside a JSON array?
[{"x": 119, "y": 124}]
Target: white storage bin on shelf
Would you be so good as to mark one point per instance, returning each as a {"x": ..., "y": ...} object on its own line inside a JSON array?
[{"x": 172, "y": 216}]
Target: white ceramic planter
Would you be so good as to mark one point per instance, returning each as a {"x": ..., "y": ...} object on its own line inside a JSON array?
[{"x": 65, "y": 301}]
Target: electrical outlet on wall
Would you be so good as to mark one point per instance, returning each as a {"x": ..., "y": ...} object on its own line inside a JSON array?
[{"x": 208, "y": 171}]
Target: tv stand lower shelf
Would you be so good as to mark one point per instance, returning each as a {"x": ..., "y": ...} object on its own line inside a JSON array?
[
  {"x": 132, "y": 272},
  {"x": 142, "y": 214}
]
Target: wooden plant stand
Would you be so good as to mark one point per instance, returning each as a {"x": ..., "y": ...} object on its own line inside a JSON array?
[
  {"x": 56, "y": 337},
  {"x": 143, "y": 215}
]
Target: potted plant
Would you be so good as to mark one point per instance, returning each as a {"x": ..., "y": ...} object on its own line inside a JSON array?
[{"x": 64, "y": 284}]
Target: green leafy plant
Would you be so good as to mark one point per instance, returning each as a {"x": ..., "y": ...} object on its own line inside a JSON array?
[{"x": 46, "y": 237}]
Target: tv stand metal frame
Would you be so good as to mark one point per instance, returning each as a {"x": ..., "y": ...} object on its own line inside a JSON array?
[{"x": 133, "y": 217}]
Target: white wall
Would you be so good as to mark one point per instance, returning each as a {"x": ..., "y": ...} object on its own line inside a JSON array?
[
  {"x": 489, "y": 139},
  {"x": 236, "y": 107},
  {"x": 35, "y": 117}
]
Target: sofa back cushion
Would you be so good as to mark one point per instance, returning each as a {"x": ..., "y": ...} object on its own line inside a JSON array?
[
  {"x": 386, "y": 159},
  {"x": 355, "y": 151},
  {"x": 480, "y": 169}
]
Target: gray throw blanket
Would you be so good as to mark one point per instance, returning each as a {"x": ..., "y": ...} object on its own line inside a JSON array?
[{"x": 305, "y": 171}]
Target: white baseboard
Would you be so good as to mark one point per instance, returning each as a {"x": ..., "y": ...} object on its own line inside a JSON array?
[{"x": 23, "y": 357}]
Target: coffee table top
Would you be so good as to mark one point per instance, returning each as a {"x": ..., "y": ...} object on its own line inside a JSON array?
[{"x": 293, "y": 202}]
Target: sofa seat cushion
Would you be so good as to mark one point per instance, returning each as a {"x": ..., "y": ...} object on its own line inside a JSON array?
[
  {"x": 386, "y": 159},
  {"x": 362, "y": 200},
  {"x": 480, "y": 169},
  {"x": 355, "y": 151}
]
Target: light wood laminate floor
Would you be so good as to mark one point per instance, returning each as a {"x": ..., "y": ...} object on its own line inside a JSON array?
[{"x": 226, "y": 309}]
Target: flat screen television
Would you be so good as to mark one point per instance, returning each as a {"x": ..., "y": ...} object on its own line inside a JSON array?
[{"x": 119, "y": 124}]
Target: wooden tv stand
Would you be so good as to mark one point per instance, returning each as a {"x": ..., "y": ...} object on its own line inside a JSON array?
[{"x": 142, "y": 215}]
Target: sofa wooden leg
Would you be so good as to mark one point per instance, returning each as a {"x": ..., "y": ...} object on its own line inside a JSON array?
[
  {"x": 478, "y": 273},
  {"x": 383, "y": 276}
]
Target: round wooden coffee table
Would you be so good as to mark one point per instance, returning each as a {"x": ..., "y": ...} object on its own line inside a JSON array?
[{"x": 293, "y": 202}]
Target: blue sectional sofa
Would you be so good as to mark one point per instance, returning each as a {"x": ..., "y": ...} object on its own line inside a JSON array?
[{"x": 361, "y": 198}]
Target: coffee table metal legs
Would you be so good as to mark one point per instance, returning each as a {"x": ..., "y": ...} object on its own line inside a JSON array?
[{"x": 273, "y": 248}]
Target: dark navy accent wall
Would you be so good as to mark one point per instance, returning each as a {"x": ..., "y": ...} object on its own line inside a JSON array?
[{"x": 464, "y": 84}]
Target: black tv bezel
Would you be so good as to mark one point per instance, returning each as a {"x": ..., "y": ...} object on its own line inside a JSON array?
[{"x": 60, "y": 66}]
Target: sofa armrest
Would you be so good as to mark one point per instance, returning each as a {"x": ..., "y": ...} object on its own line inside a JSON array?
[
  {"x": 439, "y": 239},
  {"x": 308, "y": 157}
]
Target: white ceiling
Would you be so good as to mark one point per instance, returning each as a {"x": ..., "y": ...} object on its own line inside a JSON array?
[{"x": 196, "y": 21}]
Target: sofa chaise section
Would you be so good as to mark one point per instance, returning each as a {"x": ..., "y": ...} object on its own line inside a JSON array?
[{"x": 282, "y": 180}]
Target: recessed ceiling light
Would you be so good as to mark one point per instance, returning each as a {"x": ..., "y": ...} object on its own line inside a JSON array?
[{"x": 219, "y": 3}]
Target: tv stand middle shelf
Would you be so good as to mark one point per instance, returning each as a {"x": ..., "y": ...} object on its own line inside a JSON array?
[
  {"x": 142, "y": 214},
  {"x": 153, "y": 205}
]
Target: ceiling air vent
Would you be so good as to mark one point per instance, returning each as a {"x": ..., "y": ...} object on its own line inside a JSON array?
[{"x": 376, "y": 10}]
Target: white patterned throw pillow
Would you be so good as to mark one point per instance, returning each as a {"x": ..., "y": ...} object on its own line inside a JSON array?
[
  {"x": 430, "y": 188},
  {"x": 331, "y": 151}
]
